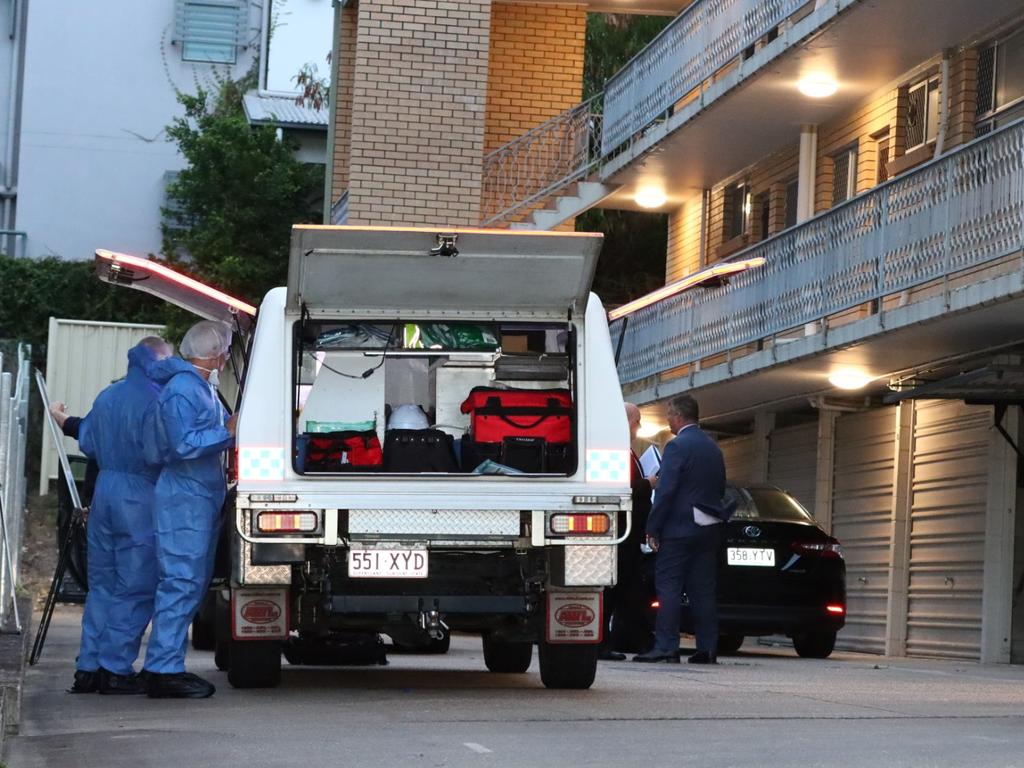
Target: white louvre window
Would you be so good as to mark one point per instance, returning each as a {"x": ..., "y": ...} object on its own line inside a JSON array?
[
  {"x": 922, "y": 113},
  {"x": 844, "y": 175},
  {"x": 210, "y": 30}
]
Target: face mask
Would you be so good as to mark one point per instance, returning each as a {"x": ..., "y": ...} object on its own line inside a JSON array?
[{"x": 214, "y": 378}]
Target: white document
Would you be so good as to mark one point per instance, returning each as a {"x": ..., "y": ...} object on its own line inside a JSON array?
[{"x": 650, "y": 462}]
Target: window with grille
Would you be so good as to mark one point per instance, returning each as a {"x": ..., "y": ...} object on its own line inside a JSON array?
[
  {"x": 210, "y": 30},
  {"x": 737, "y": 206},
  {"x": 844, "y": 175},
  {"x": 1001, "y": 82},
  {"x": 922, "y": 113}
]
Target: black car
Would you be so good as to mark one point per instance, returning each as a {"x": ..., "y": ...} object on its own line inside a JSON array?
[{"x": 779, "y": 573}]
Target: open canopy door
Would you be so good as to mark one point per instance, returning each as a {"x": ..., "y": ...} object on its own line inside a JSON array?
[
  {"x": 350, "y": 271},
  {"x": 171, "y": 286}
]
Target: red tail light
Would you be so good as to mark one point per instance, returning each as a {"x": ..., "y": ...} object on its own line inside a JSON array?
[
  {"x": 837, "y": 609},
  {"x": 828, "y": 549},
  {"x": 655, "y": 604}
]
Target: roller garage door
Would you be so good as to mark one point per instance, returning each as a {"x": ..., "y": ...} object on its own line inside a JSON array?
[
  {"x": 740, "y": 454},
  {"x": 865, "y": 448},
  {"x": 793, "y": 461},
  {"x": 947, "y": 530}
]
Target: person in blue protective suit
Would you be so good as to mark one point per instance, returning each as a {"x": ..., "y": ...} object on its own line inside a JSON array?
[
  {"x": 119, "y": 532},
  {"x": 189, "y": 439}
]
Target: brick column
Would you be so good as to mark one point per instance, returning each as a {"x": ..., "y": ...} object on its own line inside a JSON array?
[{"x": 342, "y": 96}]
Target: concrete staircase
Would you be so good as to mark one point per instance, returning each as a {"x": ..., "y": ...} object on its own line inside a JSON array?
[{"x": 566, "y": 204}]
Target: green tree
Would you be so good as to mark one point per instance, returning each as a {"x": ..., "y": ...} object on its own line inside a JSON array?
[
  {"x": 230, "y": 212},
  {"x": 633, "y": 258}
]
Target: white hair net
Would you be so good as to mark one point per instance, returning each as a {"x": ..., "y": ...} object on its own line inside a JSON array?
[{"x": 206, "y": 339}]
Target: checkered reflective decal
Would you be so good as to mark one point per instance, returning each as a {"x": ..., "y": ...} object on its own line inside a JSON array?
[
  {"x": 607, "y": 466},
  {"x": 261, "y": 463}
]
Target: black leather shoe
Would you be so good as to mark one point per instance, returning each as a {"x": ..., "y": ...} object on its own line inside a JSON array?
[
  {"x": 120, "y": 685},
  {"x": 611, "y": 656},
  {"x": 85, "y": 682},
  {"x": 182, "y": 685},
  {"x": 656, "y": 657},
  {"x": 702, "y": 657}
]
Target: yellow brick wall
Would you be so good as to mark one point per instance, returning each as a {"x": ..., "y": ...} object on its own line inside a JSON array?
[
  {"x": 536, "y": 66},
  {"x": 418, "y": 110},
  {"x": 684, "y": 240},
  {"x": 342, "y": 95}
]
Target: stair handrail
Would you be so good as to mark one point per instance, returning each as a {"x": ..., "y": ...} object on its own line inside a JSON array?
[{"x": 560, "y": 151}]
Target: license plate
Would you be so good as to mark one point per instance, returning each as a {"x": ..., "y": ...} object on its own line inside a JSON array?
[
  {"x": 750, "y": 556},
  {"x": 387, "y": 564}
]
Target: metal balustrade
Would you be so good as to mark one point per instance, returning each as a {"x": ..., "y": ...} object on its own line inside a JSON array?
[
  {"x": 960, "y": 211},
  {"x": 14, "y": 394},
  {"x": 546, "y": 159},
  {"x": 698, "y": 43},
  {"x": 13, "y": 242}
]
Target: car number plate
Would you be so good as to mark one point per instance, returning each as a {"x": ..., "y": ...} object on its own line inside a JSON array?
[
  {"x": 387, "y": 564},
  {"x": 750, "y": 556}
]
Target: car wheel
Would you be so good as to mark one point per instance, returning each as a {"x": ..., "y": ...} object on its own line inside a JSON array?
[
  {"x": 507, "y": 656},
  {"x": 567, "y": 666},
  {"x": 814, "y": 645},
  {"x": 729, "y": 644},
  {"x": 254, "y": 663}
]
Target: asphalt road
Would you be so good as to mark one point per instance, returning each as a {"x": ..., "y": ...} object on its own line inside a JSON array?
[{"x": 763, "y": 707}]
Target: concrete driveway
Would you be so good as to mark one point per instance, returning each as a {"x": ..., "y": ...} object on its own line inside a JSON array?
[{"x": 763, "y": 707}]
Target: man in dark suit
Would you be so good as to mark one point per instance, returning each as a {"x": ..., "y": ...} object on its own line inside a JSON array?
[
  {"x": 684, "y": 528},
  {"x": 623, "y": 603}
]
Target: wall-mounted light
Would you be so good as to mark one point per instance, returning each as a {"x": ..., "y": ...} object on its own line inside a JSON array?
[
  {"x": 817, "y": 86},
  {"x": 650, "y": 197},
  {"x": 849, "y": 378}
]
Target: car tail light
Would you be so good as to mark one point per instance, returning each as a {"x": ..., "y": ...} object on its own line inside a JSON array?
[
  {"x": 581, "y": 523},
  {"x": 287, "y": 522},
  {"x": 655, "y": 604},
  {"x": 835, "y": 608},
  {"x": 828, "y": 549}
]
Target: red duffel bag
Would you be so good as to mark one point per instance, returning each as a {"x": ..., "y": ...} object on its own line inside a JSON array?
[{"x": 499, "y": 413}]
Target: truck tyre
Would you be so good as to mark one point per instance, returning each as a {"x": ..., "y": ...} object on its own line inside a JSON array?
[
  {"x": 222, "y": 655},
  {"x": 429, "y": 648},
  {"x": 254, "y": 663},
  {"x": 567, "y": 666},
  {"x": 728, "y": 645},
  {"x": 204, "y": 626},
  {"x": 507, "y": 656},
  {"x": 814, "y": 645}
]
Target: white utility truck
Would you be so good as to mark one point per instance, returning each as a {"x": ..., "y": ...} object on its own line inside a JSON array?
[{"x": 431, "y": 438}]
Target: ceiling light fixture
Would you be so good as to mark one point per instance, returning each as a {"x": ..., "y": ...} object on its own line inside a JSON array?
[
  {"x": 650, "y": 197},
  {"x": 849, "y": 378},
  {"x": 817, "y": 86}
]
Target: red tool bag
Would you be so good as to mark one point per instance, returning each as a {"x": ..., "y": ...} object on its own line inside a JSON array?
[
  {"x": 343, "y": 452},
  {"x": 499, "y": 413}
]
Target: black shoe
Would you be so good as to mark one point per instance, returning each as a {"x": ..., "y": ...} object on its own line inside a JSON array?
[
  {"x": 123, "y": 685},
  {"x": 656, "y": 657},
  {"x": 609, "y": 655},
  {"x": 702, "y": 657},
  {"x": 85, "y": 682},
  {"x": 181, "y": 685}
]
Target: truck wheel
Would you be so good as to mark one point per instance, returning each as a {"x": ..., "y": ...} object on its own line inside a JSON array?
[
  {"x": 204, "y": 637},
  {"x": 222, "y": 655},
  {"x": 254, "y": 663},
  {"x": 729, "y": 644},
  {"x": 507, "y": 656},
  {"x": 567, "y": 666},
  {"x": 814, "y": 645}
]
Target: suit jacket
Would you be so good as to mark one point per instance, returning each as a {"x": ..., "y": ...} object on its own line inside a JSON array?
[{"x": 692, "y": 475}]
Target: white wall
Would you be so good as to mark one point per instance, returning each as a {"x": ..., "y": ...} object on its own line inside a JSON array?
[{"x": 100, "y": 86}]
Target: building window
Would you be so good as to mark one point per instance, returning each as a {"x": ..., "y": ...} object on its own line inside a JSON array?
[
  {"x": 210, "y": 30},
  {"x": 737, "y": 206},
  {"x": 1001, "y": 82},
  {"x": 792, "y": 201},
  {"x": 882, "y": 148},
  {"x": 844, "y": 175},
  {"x": 922, "y": 113}
]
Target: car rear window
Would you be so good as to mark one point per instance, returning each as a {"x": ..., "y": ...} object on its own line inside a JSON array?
[{"x": 766, "y": 504}]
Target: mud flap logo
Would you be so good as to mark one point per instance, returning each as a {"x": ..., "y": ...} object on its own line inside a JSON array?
[
  {"x": 574, "y": 617},
  {"x": 259, "y": 614}
]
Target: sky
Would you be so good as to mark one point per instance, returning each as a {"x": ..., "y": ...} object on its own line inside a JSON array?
[{"x": 301, "y": 35}]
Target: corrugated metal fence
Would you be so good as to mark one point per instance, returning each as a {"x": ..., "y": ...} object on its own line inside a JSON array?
[{"x": 14, "y": 394}]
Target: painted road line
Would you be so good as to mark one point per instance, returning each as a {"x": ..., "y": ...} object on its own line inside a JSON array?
[{"x": 480, "y": 749}]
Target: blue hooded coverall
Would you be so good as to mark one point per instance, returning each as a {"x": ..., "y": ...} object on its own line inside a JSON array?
[
  {"x": 189, "y": 438},
  {"x": 122, "y": 572}
]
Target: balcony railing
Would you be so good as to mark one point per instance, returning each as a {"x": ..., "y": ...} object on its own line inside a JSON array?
[
  {"x": 12, "y": 242},
  {"x": 697, "y": 44},
  {"x": 556, "y": 153},
  {"x": 955, "y": 213}
]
